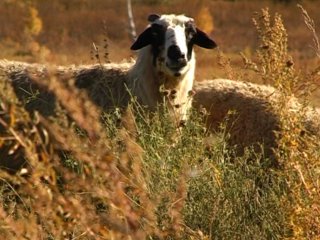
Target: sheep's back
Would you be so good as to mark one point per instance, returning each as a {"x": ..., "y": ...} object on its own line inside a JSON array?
[
  {"x": 249, "y": 112},
  {"x": 34, "y": 96},
  {"x": 105, "y": 84},
  {"x": 108, "y": 86}
]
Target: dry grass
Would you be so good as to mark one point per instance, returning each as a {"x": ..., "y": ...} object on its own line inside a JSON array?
[
  {"x": 69, "y": 28},
  {"x": 79, "y": 176}
]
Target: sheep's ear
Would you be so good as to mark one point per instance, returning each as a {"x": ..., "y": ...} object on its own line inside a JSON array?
[
  {"x": 153, "y": 17},
  {"x": 143, "y": 39},
  {"x": 203, "y": 40}
]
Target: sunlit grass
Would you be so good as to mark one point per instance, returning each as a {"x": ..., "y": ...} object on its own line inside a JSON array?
[{"x": 134, "y": 175}]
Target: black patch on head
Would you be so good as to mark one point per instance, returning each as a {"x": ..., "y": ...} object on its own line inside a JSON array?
[
  {"x": 190, "y": 31},
  {"x": 158, "y": 39}
]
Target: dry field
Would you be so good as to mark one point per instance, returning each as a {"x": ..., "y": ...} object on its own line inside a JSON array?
[{"x": 86, "y": 174}]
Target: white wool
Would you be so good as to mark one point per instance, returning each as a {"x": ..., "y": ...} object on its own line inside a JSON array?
[{"x": 146, "y": 81}]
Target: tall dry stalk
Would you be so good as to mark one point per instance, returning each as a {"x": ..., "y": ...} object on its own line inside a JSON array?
[{"x": 312, "y": 27}]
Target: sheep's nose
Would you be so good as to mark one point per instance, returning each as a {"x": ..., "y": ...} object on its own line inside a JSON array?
[{"x": 175, "y": 54}]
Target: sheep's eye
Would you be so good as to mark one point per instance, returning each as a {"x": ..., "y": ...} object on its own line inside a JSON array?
[
  {"x": 158, "y": 29},
  {"x": 190, "y": 30},
  {"x": 158, "y": 34}
]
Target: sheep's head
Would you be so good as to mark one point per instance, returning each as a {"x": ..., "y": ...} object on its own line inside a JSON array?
[{"x": 172, "y": 38}]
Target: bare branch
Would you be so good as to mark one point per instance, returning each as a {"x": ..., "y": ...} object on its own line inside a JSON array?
[{"x": 132, "y": 26}]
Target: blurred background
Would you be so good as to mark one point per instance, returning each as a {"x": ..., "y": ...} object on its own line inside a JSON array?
[{"x": 63, "y": 31}]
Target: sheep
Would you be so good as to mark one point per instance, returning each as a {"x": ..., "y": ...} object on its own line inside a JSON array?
[
  {"x": 255, "y": 119},
  {"x": 164, "y": 68},
  {"x": 165, "y": 65}
]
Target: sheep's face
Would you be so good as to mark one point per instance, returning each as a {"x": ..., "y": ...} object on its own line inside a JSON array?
[{"x": 172, "y": 38}]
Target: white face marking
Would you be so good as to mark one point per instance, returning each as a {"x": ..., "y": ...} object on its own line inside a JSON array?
[{"x": 176, "y": 36}]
